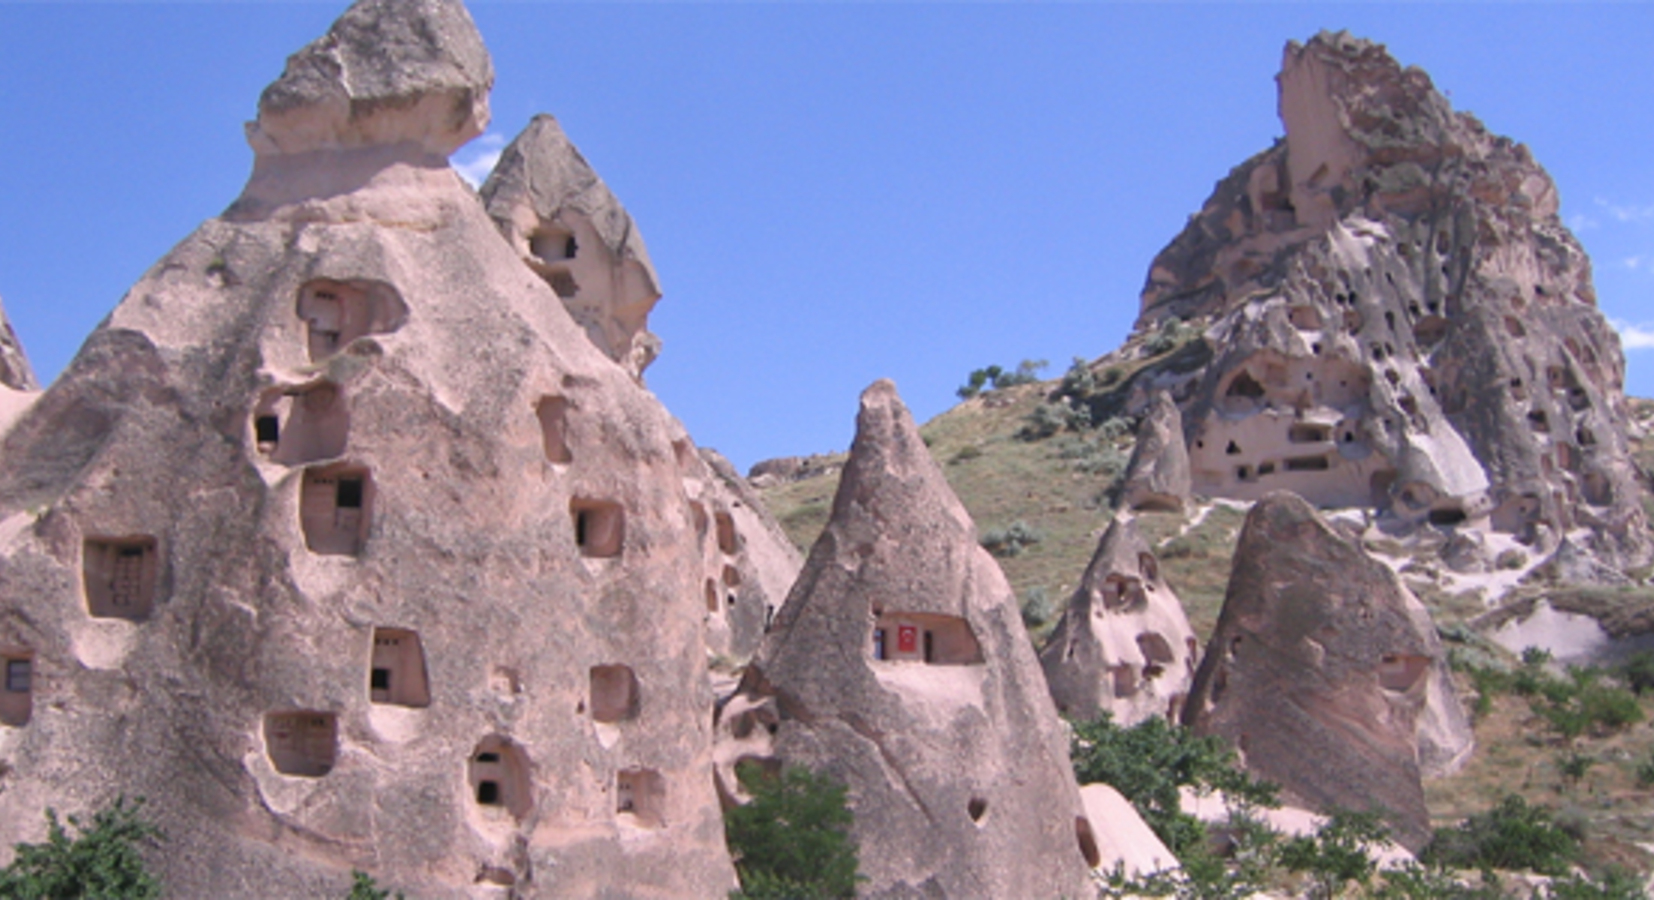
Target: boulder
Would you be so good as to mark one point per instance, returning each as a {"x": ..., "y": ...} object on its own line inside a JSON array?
[
  {"x": 1123, "y": 645},
  {"x": 1396, "y": 317},
  {"x": 1157, "y": 478},
  {"x": 1124, "y": 840},
  {"x": 341, "y": 543},
  {"x": 571, "y": 230},
  {"x": 899, "y": 665},
  {"x": 1326, "y": 674}
]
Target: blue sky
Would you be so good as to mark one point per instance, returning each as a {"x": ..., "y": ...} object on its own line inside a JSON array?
[{"x": 832, "y": 193}]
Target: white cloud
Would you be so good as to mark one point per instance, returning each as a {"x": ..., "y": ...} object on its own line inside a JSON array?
[
  {"x": 1581, "y": 222},
  {"x": 1638, "y": 336},
  {"x": 1635, "y": 262},
  {"x": 474, "y": 161},
  {"x": 1626, "y": 213}
]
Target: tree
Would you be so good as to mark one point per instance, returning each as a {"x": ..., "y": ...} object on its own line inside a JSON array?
[
  {"x": 363, "y": 887},
  {"x": 101, "y": 862},
  {"x": 1338, "y": 851},
  {"x": 792, "y": 841},
  {"x": 1512, "y": 835}
]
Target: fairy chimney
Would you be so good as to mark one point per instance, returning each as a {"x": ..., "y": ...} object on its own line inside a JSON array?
[
  {"x": 899, "y": 665},
  {"x": 1123, "y": 645},
  {"x": 1157, "y": 478},
  {"x": 1395, "y": 317},
  {"x": 1326, "y": 674},
  {"x": 570, "y": 229},
  {"x": 341, "y": 543}
]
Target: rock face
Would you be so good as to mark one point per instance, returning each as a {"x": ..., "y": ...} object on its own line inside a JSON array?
[
  {"x": 750, "y": 564},
  {"x": 1157, "y": 478},
  {"x": 900, "y": 666},
  {"x": 15, "y": 371},
  {"x": 1326, "y": 673},
  {"x": 568, "y": 227},
  {"x": 1123, "y": 645},
  {"x": 340, "y": 542},
  {"x": 1399, "y": 319}
]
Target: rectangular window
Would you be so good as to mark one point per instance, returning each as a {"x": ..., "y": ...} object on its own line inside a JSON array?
[
  {"x": 267, "y": 429},
  {"x": 349, "y": 493},
  {"x": 380, "y": 679},
  {"x": 18, "y": 676},
  {"x": 878, "y": 643}
]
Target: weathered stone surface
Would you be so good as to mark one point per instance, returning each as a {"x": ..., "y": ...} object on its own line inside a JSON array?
[
  {"x": 1124, "y": 840},
  {"x": 749, "y": 562},
  {"x": 18, "y": 387},
  {"x": 1398, "y": 319},
  {"x": 1157, "y": 478},
  {"x": 567, "y": 226},
  {"x": 388, "y": 72},
  {"x": 900, "y": 666},
  {"x": 1326, "y": 674},
  {"x": 1123, "y": 645},
  {"x": 340, "y": 542}
]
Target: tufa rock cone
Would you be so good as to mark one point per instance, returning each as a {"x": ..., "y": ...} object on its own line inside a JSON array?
[
  {"x": 1395, "y": 317},
  {"x": 900, "y": 666},
  {"x": 1157, "y": 478},
  {"x": 1123, "y": 645},
  {"x": 340, "y": 543},
  {"x": 568, "y": 227},
  {"x": 18, "y": 387},
  {"x": 1326, "y": 673}
]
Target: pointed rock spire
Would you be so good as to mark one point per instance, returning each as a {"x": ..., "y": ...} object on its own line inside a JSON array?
[
  {"x": 570, "y": 229},
  {"x": 1326, "y": 674},
  {"x": 900, "y": 665},
  {"x": 1123, "y": 645},
  {"x": 1157, "y": 478},
  {"x": 15, "y": 371}
]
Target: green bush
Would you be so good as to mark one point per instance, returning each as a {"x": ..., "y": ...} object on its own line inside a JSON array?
[
  {"x": 1010, "y": 540},
  {"x": 1148, "y": 762},
  {"x": 1338, "y": 852},
  {"x": 1047, "y": 419},
  {"x": 792, "y": 841},
  {"x": 991, "y": 378},
  {"x": 1512, "y": 835},
  {"x": 363, "y": 887},
  {"x": 1037, "y": 608},
  {"x": 101, "y": 862},
  {"x": 1638, "y": 672},
  {"x": 1079, "y": 381},
  {"x": 1173, "y": 333},
  {"x": 1615, "y": 884}
]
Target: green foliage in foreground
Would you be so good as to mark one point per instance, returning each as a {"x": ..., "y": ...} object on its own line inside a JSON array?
[
  {"x": 1512, "y": 835},
  {"x": 792, "y": 842},
  {"x": 1148, "y": 762},
  {"x": 363, "y": 887},
  {"x": 1338, "y": 852},
  {"x": 101, "y": 862}
]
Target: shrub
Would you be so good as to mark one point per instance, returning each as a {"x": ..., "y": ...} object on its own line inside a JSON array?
[
  {"x": 1638, "y": 671},
  {"x": 1512, "y": 835},
  {"x": 1615, "y": 884},
  {"x": 1645, "y": 772},
  {"x": 1114, "y": 428},
  {"x": 1574, "y": 765},
  {"x": 1338, "y": 851},
  {"x": 1173, "y": 333},
  {"x": 363, "y": 887},
  {"x": 1149, "y": 761},
  {"x": 1079, "y": 381},
  {"x": 792, "y": 841},
  {"x": 1037, "y": 608},
  {"x": 1010, "y": 540},
  {"x": 102, "y": 862},
  {"x": 1027, "y": 372}
]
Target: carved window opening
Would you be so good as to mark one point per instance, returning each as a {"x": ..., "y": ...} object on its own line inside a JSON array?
[
  {"x": 338, "y": 312},
  {"x": 640, "y": 795},
  {"x": 1305, "y": 318},
  {"x": 1233, "y": 449},
  {"x": 1513, "y": 327},
  {"x": 120, "y": 576},
  {"x": 711, "y": 596},
  {"x": 1305, "y": 433},
  {"x": 563, "y": 284},
  {"x": 977, "y": 808},
  {"x": 553, "y": 245},
  {"x": 1598, "y": 490},
  {"x": 499, "y": 776},
  {"x": 731, "y": 576},
  {"x": 1148, "y": 566},
  {"x": 1244, "y": 385},
  {"x": 553, "y": 413},
  {"x": 396, "y": 673},
  {"x": 1244, "y": 473},
  {"x": 1087, "y": 841},
  {"x": 728, "y": 541},
  {"x": 1401, "y": 672},
  {"x": 303, "y": 425},
  {"x": 1308, "y": 464},
  {"x": 1447, "y": 516},
  {"x": 17, "y": 679},
  {"x": 925, "y": 637},
  {"x": 614, "y": 693},
  {"x": 1267, "y": 468},
  {"x": 1539, "y": 421},
  {"x": 599, "y": 527},
  {"x": 304, "y": 743},
  {"x": 335, "y": 509}
]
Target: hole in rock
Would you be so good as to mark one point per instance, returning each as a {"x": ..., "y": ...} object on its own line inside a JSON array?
[
  {"x": 396, "y": 674},
  {"x": 1087, "y": 841},
  {"x": 1307, "y": 464},
  {"x": 599, "y": 526},
  {"x": 335, "y": 509},
  {"x": 1307, "y": 433},
  {"x": 1447, "y": 515},
  {"x": 553, "y": 413},
  {"x": 614, "y": 693},
  {"x": 925, "y": 637},
  {"x": 338, "y": 312},
  {"x": 16, "y": 687},
  {"x": 303, "y": 742},
  {"x": 977, "y": 808},
  {"x": 552, "y": 244},
  {"x": 1399, "y": 672},
  {"x": 641, "y": 794},
  {"x": 727, "y": 539},
  {"x": 498, "y": 774},
  {"x": 120, "y": 575}
]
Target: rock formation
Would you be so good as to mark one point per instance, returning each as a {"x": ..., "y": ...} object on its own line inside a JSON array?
[
  {"x": 341, "y": 543},
  {"x": 18, "y": 387},
  {"x": 1123, "y": 645},
  {"x": 568, "y": 227},
  {"x": 749, "y": 562},
  {"x": 1326, "y": 673},
  {"x": 1396, "y": 317},
  {"x": 1157, "y": 478},
  {"x": 900, "y": 666}
]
